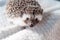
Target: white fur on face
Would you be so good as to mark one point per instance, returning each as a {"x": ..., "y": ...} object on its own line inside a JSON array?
[
  {"x": 20, "y": 20},
  {"x": 25, "y": 16},
  {"x": 39, "y": 17}
]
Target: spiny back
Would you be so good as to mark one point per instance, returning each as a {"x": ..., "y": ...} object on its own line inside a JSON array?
[{"x": 17, "y": 7}]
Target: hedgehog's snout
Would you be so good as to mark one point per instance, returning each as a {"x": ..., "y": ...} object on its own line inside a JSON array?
[{"x": 32, "y": 21}]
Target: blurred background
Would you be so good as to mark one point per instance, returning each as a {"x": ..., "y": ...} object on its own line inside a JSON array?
[{"x": 2, "y": 2}]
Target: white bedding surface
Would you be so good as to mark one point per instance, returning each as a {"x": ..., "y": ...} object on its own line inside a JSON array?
[{"x": 48, "y": 29}]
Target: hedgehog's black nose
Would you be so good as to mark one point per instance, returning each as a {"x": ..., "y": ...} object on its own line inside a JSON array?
[
  {"x": 34, "y": 22},
  {"x": 31, "y": 25}
]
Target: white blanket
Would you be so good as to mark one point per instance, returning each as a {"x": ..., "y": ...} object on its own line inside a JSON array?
[{"x": 48, "y": 29}]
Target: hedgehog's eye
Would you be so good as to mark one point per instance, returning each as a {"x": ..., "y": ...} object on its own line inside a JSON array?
[
  {"x": 36, "y": 19},
  {"x": 33, "y": 12},
  {"x": 40, "y": 11},
  {"x": 27, "y": 18}
]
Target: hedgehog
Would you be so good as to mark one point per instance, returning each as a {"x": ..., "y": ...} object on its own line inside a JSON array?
[{"x": 24, "y": 12}]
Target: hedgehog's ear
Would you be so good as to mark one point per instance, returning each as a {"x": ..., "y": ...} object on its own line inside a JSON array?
[
  {"x": 21, "y": 14},
  {"x": 41, "y": 11}
]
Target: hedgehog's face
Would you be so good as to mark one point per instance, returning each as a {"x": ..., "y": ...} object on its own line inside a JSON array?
[
  {"x": 30, "y": 18},
  {"x": 33, "y": 16}
]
